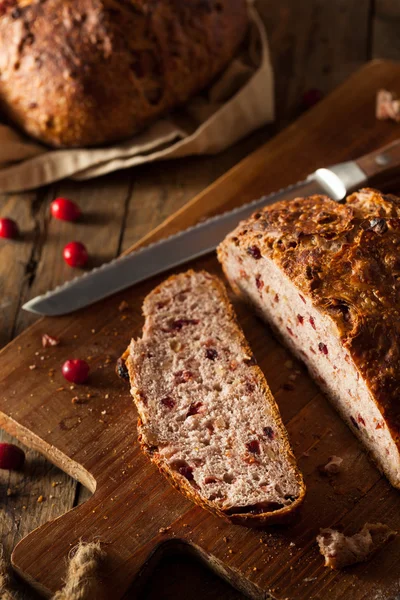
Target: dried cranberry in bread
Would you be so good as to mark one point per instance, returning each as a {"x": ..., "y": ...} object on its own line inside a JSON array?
[
  {"x": 90, "y": 72},
  {"x": 206, "y": 415},
  {"x": 326, "y": 277}
]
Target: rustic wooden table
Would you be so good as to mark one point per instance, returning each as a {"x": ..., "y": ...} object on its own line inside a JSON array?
[{"x": 314, "y": 44}]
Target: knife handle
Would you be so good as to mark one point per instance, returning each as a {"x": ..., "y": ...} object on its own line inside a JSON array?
[{"x": 381, "y": 165}]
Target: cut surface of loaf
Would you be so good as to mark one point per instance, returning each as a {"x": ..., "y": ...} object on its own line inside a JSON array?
[
  {"x": 341, "y": 551},
  {"x": 206, "y": 415},
  {"x": 91, "y": 72},
  {"x": 326, "y": 277}
]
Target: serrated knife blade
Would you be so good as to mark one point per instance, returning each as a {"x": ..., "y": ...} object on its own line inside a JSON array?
[{"x": 182, "y": 247}]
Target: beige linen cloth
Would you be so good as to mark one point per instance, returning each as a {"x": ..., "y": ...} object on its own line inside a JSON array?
[{"x": 239, "y": 102}]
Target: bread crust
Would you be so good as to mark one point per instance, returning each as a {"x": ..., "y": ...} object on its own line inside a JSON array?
[
  {"x": 346, "y": 259},
  {"x": 177, "y": 480},
  {"x": 72, "y": 73}
]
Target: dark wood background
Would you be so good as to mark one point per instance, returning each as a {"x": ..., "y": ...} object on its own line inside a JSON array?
[{"x": 314, "y": 44}]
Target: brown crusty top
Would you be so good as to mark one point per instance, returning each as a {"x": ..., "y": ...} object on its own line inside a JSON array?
[
  {"x": 89, "y": 72},
  {"x": 346, "y": 257}
]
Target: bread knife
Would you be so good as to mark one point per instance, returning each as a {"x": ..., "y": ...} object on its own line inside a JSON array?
[{"x": 335, "y": 181}]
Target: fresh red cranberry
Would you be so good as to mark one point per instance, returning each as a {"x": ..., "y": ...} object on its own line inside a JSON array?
[
  {"x": 211, "y": 353},
  {"x": 65, "y": 210},
  {"x": 11, "y": 457},
  {"x": 312, "y": 323},
  {"x": 300, "y": 319},
  {"x": 8, "y": 229},
  {"x": 269, "y": 433},
  {"x": 168, "y": 402},
  {"x": 323, "y": 348},
  {"x": 302, "y": 297},
  {"x": 75, "y": 370},
  {"x": 75, "y": 254},
  {"x": 289, "y": 330},
  {"x": 311, "y": 97},
  {"x": 253, "y": 447},
  {"x": 187, "y": 472},
  {"x": 254, "y": 251},
  {"x": 194, "y": 408}
]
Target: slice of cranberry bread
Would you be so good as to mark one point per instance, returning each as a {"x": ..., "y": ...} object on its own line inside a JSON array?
[
  {"x": 206, "y": 415},
  {"x": 326, "y": 276}
]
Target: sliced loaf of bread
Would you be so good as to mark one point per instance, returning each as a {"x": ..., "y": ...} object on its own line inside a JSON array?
[
  {"x": 206, "y": 415},
  {"x": 326, "y": 277}
]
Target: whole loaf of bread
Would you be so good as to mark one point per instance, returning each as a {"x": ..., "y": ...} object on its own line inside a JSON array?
[{"x": 89, "y": 72}]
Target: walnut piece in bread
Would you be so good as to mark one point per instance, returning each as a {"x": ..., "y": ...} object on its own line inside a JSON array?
[
  {"x": 90, "y": 72},
  {"x": 326, "y": 276},
  {"x": 206, "y": 415}
]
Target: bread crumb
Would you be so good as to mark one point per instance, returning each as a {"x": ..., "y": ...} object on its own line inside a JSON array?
[
  {"x": 10, "y": 492},
  {"x": 49, "y": 340},
  {"x": 123, "y": 306},
  {"x": 340, "y": 550},
  {"x": 387, "y": 106},
  {"x": 41, "y": 499},
  {"x": 332, "y": 467},
  {"x": 32, "y": 367},
  {"x": 77, "y": 400},
  {"x": 164, "y": 529}
]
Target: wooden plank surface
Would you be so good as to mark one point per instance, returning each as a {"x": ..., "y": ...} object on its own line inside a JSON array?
[
  {"x": 325, "y": 31},
  {"x": 132, "y": 502},
  {"x": 386, "y": 29}
]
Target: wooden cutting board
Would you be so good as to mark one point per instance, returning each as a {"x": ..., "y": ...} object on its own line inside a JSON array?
[{"x": 133, "y": 510}]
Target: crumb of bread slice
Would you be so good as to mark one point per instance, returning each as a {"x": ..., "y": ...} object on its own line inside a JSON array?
[{"x": 206, "y": 415}]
